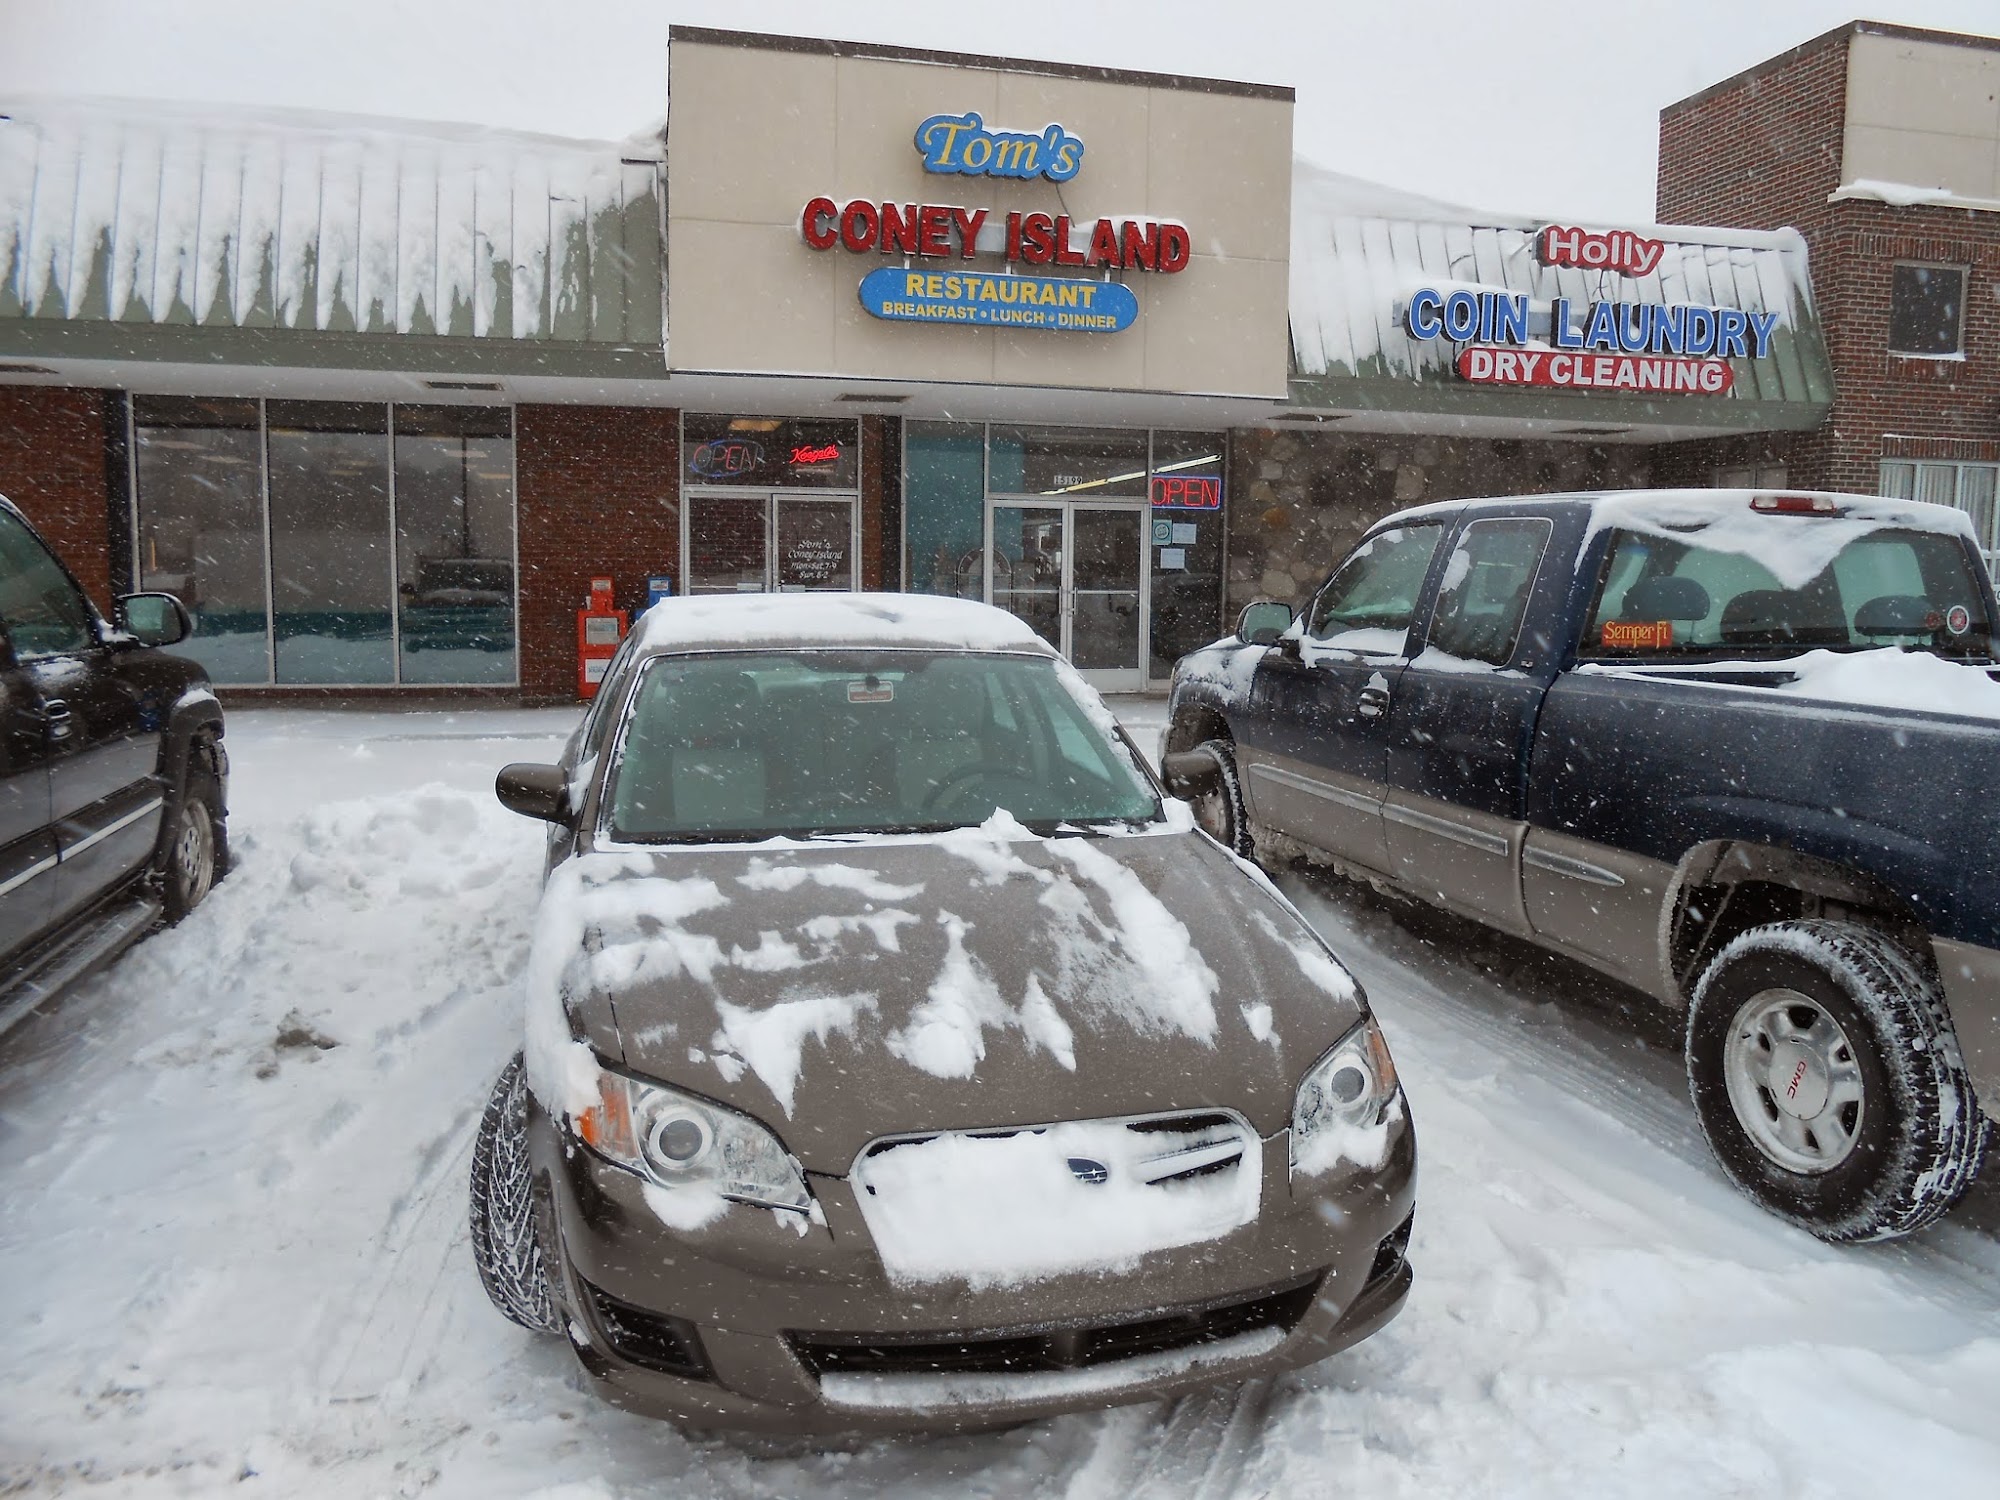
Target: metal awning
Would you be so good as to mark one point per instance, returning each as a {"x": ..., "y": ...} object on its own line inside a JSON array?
[
  {"x": 1359, "y": 251},
  {"x": 159, "y": 232}
]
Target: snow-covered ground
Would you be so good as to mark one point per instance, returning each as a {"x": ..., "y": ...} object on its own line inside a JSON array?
[{"x": 233, "y": 1256}]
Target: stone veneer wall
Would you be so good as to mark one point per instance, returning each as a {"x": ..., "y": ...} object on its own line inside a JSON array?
[{"x": 1300, "y": 499}]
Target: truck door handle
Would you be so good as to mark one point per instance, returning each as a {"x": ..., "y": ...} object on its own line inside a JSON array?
[
  {"x": 57, "y": 713},
  {"x": 1370, "y": 702}
]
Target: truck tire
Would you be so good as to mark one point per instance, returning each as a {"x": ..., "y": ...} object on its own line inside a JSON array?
[
  {"x": 1218, "y": 807},
  {"x": 505, "y": 1246},
  {"x": 194, "y": 844},
  {"x": 1829, "y": 1083}
]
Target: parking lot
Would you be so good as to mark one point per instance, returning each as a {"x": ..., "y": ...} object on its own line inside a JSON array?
[{"x": 232, "y": 1220}]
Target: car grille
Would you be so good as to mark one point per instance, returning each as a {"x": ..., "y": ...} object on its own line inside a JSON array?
[
  {"x": 1159, "y": 1149},
  {"x": 652, "y": 1340},
  {"x": 1054, "y": 1348}
]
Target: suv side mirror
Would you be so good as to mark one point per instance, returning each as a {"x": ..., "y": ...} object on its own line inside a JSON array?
[
  {"x": 534, "y": 791},
  {"x": 1262, "y": 622},
  {"x": 155, "y": 619}
]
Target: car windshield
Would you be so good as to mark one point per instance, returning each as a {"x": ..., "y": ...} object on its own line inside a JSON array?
[
  {"x": 1665, "y": 597},
  {"x": 748, "y": 745}
]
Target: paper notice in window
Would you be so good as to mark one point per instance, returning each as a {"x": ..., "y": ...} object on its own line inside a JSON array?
[
  {"x": 1185, "y": 533},
  {"x": 1173, "y": 559}
]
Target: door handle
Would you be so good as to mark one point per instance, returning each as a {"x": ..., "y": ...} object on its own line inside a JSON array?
[
  {"x": 1371, "y": 702},
  {"x": 59, "y": 718}
]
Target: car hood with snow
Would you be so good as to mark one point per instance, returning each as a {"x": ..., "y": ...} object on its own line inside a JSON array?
[{"x": 981, "y": 978}]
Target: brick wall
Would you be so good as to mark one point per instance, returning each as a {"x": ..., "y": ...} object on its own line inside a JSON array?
[
  {"x": 598, "y": 493},
  {"x": 1763, "y": 150},
  {"x": 52, "y": 467}
]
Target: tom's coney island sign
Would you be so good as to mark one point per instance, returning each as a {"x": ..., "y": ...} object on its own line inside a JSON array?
[
  {"x": 1662, "y": 348},
  {"x": 924, "y": 234}
]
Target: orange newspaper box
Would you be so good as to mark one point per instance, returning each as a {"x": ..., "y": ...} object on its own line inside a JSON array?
[{"x": 599, "y": 629}]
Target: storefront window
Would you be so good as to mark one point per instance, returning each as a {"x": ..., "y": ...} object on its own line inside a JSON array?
[
  {"x": 455, "y": 544},
  {"x": 1186, "y": 522},
  {"x": 302, "y": 563},
  {"x": 1074, "y": 462},
  {"x": 330, "y": 568},
  {"x": 201, "y": 526},
  {"x": 944, "y": 508},
  {"x": 774, "y": 452}
]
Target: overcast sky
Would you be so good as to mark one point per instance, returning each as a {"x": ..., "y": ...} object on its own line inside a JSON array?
[{"x": 1534, "y": 106}]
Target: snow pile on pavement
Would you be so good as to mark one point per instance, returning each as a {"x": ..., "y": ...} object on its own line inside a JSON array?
[{"x": 216, "y": 1281}]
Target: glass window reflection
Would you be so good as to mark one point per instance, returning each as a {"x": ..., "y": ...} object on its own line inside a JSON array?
[
  {"x": 331, "y": 571},
  {"x": 201, "y": 526},
  {"x": 455, "y": 544}
]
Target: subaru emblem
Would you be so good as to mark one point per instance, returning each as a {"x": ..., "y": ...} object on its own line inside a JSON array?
[{"x": 1083, "y": 1169}]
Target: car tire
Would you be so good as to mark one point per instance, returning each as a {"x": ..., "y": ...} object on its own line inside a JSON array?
[
  {"x": 1218, "y": 806},
  {"x": 1829, "y": 1083},
  {"x": 194, "y": 844},
  {"x": 505, "y": 1244}
]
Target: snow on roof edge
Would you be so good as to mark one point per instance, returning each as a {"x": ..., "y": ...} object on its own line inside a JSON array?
[
  {"x": 1365, "y": 199},
  {"x": 30, "y": 108}
]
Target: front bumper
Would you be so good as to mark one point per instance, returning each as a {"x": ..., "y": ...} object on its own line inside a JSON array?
[{"x": 749, "y": 1323}]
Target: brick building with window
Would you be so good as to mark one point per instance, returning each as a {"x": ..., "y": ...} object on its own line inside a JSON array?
[{"x": 1881, "y": 144}]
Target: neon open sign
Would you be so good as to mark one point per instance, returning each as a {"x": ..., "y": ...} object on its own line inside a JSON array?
[
  {"x": 1187, "y": 491},
  {"x": 721, "y": 457}
]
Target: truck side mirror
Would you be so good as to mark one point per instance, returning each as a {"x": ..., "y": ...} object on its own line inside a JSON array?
[
  {"x": 155, "y": 619},
  {"x": 533, "y": 791},
  {"x": 1262, "y": 622}
]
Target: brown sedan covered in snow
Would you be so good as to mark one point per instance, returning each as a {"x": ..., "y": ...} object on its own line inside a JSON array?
[{"x": 899, "y": 1056}]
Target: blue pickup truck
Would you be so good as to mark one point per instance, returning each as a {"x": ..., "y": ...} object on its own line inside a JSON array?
[{"x": 1740, "y": 750}]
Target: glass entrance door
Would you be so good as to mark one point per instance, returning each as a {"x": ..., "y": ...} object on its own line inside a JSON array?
[
  {"x": 1076, "y": 575},
  {"x": 1028, "y": 553},
  {"x": 766, "y": 543},
  {"x": 1106, "y": 588}
]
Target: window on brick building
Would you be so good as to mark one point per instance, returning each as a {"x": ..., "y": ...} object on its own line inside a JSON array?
[
  {"x": 1751, "y": 477},
  {"x": 326, "y": 543},
  {"x": 1926, "y": 310},
  {"x": 1971, "y": 488}
]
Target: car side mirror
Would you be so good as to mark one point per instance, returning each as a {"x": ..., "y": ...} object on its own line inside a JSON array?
[
  {"x": 1262, "y": 622},
  {"x": 534, "y": 791},
  {"x": 154, "y": 619}
]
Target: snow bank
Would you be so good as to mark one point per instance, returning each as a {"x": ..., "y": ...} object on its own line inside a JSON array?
[{"x": 1002, "y": 1210}]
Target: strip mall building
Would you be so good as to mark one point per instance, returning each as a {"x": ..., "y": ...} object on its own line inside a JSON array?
[{"x": 380, "y": 400}]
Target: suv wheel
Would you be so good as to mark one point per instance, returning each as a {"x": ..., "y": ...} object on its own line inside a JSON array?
[
  {"x": 1218, "y": 807},
  {"x": 195, "y": 842},
  {"x": 1829, "y": 1083},
  {"x": 505, "y": 1246}
]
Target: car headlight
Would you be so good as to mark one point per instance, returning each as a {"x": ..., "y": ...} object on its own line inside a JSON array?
[
  {"x": 677, "y": 1140},
  {"x": 1347, "y": 1091}
]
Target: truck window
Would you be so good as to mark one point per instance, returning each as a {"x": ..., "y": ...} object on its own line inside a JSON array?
[
  {"x": 1888, "y": 587},
  {"x": 1368, "y": 602},
  {"x": 43, "y": 612},
  {"x": 1485, "y": 589}
]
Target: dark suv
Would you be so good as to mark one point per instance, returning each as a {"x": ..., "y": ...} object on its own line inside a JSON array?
[{"x": 113, "y": 779}]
